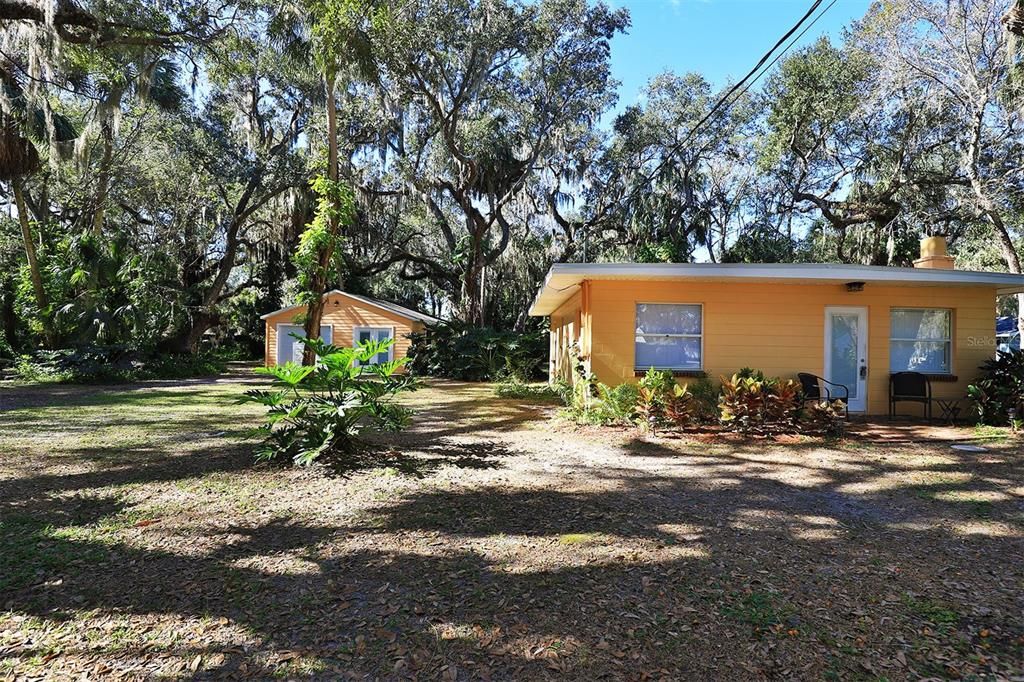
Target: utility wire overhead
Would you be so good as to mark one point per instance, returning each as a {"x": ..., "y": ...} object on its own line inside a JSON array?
[{"x": 742, "y": 83}]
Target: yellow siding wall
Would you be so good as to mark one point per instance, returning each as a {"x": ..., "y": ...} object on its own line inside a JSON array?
[
  {"x": 780, "y": 328},
  {"x": 565, "y": 330},
  {"x": 343, "y": 314}
]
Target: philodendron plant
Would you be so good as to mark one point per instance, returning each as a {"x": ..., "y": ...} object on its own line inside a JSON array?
[{"x": 321, "y": 411}]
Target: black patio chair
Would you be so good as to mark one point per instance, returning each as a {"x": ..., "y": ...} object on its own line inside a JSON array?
[
  {"x": 816, "y": 389},
  {"x": 910, "y": 387}
]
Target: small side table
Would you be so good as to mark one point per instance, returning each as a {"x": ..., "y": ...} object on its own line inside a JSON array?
[{"x": 950, "y": 409}]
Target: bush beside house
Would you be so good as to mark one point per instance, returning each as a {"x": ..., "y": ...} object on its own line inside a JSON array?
[
  {"x": 1000, "y": 389},
  {"x": 456, "y": 350},
  {"x": 89, "y": 364},
  {"x": 747, "y": 402}
]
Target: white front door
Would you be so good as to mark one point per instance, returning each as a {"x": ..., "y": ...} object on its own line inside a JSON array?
[
  {"x": 290, "y": 349},
  {"x": 846, "y": 352}
]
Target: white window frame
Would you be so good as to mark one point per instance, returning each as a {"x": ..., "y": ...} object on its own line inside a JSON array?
[
  {"x": 948, "y": 340},
  {"x": 364, "y": 328},
  {"x": 700, "y": 366},
  {"x": 283, "y": 329}
]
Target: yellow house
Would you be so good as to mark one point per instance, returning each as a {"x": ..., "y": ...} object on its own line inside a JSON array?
[
  {"x": 348, "y": 319},
  {"x": 852, "y": 324}
]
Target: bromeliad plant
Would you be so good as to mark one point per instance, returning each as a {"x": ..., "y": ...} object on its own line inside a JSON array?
[{"x": 321, "y": 411}]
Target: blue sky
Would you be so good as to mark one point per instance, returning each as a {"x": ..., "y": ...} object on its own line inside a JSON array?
[{"x": 722, "y": 39}]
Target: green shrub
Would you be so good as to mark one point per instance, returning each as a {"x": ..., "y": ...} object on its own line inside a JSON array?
[
  {"x": 514, "y": 388},
  {"x": 456, "y": 350},
  {"x": 826, "y": 417},
  {"x": 1000, "y": 389},
  {"x": 590, "y": 402},
  {"x": 235, "y": 351},
  {"x": 705, "y": 401},
  {"x": 564, "y": 390},
  {"x": 654, "y": 402},
  {"x": 616, "y": 405},
  {"x": 6, "y": 352},
  {"x": 653, "y": 390},
  {"x": 321, "y": 411},
  {"x": 752, "y": 401},
  {"x": 91, "y": 364},
  {"x": 663, "y": 402}
]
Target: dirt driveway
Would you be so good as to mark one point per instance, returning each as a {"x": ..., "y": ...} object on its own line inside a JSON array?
[{"x": 495, "y": 542}]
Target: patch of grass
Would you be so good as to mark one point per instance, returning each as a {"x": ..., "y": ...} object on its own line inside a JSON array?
[
  {"x": 31, "y": 549},
  {"x": 932, "y": 611},
  {"x": 514, "y": 388},
  {"x": 992, "y": 433},
  {"x": 304, "y": 666},
  {"x": 581, "y": 539},
  {"x": 942, "y": 491},
  {"x": 981, "y": 509},
  {"x": 759, "y": 609}
]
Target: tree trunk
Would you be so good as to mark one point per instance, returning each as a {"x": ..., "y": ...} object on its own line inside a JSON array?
[
  {"x": 103, "y": 178},
  {"x": 1006, "y": 245},
  {"x": 319, "y": 282},
  {"x": 472, "y": 306},
  {"x": 42, "y": 301},
  {"x": 8, "y": 313},
  {"x": 187, "y": 339},
  {"x": 990, "y": 210}
]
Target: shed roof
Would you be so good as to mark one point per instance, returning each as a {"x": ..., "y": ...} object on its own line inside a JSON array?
[
  {"x": 563, "y": 279},
  {"x": 393, "y": 308}
]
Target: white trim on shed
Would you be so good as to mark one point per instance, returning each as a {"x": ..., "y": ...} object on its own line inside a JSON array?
[{"x": 392, "y": 308}]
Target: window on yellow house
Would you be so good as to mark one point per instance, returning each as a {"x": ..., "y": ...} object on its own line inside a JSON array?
[
  {"x": 921, "y": 340},
  {"x": 669, "y": 336}
]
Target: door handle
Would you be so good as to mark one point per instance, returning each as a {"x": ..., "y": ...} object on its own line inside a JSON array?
[{"x": 863, "y": 371}]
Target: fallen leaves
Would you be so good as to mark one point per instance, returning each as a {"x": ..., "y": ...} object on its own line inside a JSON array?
[{"x": 580, "y": 557}]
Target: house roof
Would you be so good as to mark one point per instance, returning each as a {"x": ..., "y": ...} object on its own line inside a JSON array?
[
  {"x": 393, "y": 308},
  {"x": 563, "y": 279}
]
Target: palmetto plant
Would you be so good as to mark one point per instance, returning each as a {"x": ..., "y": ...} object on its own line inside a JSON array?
[{"x": 321, "y": 411}]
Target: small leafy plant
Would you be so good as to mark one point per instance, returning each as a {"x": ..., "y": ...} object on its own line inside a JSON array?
[
  {"x": 663, "y": 402},
  {"x": 321, "y": 411},
  {"x": 680, "y": 405},
  {"x": 751, "y": 401},
  {"x": 588, "y": 401},
  {"x": 1000, "y": 389},
  {"x": 616, "y": 405},
  {"x": 704, "y": 401},
  {"x": 650, "y": 404},
  {"x": 826, "y": 417},
  {"x": 512, "y": 387}
]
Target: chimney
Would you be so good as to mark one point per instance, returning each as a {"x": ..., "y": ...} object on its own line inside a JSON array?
[{"x": 934, "y": 255}]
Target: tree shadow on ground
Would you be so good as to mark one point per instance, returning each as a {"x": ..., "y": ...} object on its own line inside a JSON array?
[
  {"x": 375, "y": 608},
  {"x": 681, "y": 562},
  {"x": 380, "y": 453}
]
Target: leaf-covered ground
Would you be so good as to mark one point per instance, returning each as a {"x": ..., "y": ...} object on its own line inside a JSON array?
[{"x": 496, "y": 542}]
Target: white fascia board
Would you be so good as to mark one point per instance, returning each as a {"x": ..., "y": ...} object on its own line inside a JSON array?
[{"x": 563, "y": 278}]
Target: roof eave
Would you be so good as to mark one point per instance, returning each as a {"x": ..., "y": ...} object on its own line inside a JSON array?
[
  {"x": 570, "y": 275},
  {"x": 410, "y": 315}
]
